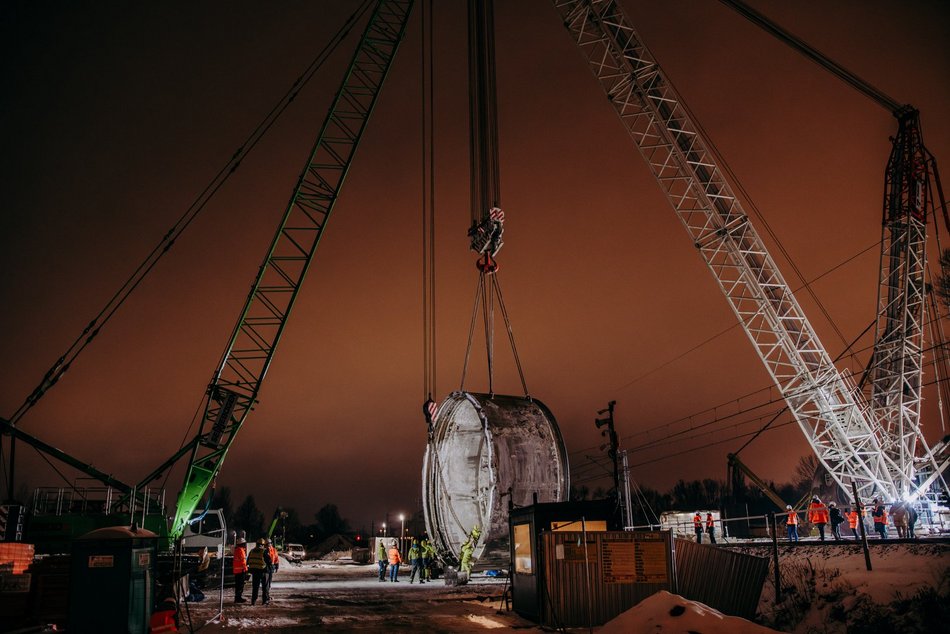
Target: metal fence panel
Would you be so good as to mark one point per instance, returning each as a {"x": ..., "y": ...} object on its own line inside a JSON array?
[
  {"x": 591, "y": 584},
  {"x": 727, "y": 581}
]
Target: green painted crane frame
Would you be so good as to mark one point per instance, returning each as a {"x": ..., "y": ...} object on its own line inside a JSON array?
[{"x": 233, "y": 390}]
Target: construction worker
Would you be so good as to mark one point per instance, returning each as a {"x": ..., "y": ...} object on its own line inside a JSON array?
[
  {"x": 239, "y": 566},
  {"x": 853, "y": 519},
  {"x": 911, "y": 521},
  {"x": 259, "y": 563},
  {"x": 382, "y": 558},
  {"x": 879, "y": 515},
  {"x": 899, "y": 513},
  {"x": 394, "y": 560},
  {"x": 698, "y": 527},
  {"x": 791, "y": 523},
  {"x": 818, "y": 515},
  {"x": 428, "y": 558},
  {"x": 836, "y": 519},
  {"x": 275, "y": 563},
  {"x": 468, "y": 551},
  {"x": 415, "y": 558},
  {"x": 711, "y": 528}
]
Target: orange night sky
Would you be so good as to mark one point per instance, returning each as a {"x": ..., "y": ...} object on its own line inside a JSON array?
[{"x": 116, "y": 115}]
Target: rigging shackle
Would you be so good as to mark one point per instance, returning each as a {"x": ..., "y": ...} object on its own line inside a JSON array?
[{"x": 487, "y": 264}]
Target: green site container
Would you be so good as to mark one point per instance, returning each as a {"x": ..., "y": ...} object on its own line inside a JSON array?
[{"x": 112, "y": 580}]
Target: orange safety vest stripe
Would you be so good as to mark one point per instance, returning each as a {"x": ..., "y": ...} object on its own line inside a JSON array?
[{"x": 792, "y": 518}]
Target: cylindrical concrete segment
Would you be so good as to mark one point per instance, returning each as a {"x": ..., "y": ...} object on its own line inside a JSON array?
[{"x": 486, "y": 452}]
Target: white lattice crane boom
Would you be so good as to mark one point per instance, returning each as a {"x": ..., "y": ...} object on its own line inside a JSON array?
[{"x": 831, "y": 411}]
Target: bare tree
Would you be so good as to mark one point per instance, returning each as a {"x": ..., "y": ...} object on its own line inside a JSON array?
[{"x": 805, "y": 472}]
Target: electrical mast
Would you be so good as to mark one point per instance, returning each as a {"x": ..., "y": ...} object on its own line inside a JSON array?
[{"x": 829, "y": 408}]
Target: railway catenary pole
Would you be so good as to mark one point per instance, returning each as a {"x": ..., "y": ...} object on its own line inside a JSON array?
[{"x": 859, "y": 509}]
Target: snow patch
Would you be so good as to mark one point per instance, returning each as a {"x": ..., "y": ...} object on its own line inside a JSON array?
[
  {"x": 666, "y": 613},
  {"x": 262, "y": 623},
  {"x": 484, "y": 621}
]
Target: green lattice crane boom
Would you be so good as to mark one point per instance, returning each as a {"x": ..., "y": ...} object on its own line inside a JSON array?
[{"x": 233, "y": 390}]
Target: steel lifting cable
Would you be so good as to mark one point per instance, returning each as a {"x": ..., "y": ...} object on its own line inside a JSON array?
[
  {"x": 488, "y": 317},
  {"x": 427, "y": 125},
  {"x": 90, "y": 332},
  {"x": 511, "y": 336},
  {"x": 485, "y": 185},
  {"x": 487, "y": 292},
  {"x": 940, "y": 359}
]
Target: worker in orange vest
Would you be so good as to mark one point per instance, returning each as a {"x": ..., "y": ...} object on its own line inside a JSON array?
[
  {"x": 818, "y": 515},
  {"x": 395, "y": 558},
  {"x": 879, "y": 513},
  {"x": 791, "y": 523},
  {"x": 239, "y": 566},
  {"x": 711, "y": 528},
  {"x": 852, "y": 516},
  {"x": 698, "y": 527}
]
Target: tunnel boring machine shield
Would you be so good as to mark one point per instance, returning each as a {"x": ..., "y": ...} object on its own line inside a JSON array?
[{"x": 487, "y": 451}]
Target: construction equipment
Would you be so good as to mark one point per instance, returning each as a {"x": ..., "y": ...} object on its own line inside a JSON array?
[
  {"x": 912, "y": 194},
  {"x": 486, "y": 452},
  {"x": 849, "y": 438},
  {"x": 236, "y": 382},
  {"x": 279, "y": 521}
]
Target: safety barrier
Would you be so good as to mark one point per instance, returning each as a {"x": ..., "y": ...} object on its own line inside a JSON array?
[{"x": 728, "y": 581}]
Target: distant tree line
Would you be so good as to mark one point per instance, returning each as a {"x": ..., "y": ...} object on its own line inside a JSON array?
[{"x": 255, "y": 523}]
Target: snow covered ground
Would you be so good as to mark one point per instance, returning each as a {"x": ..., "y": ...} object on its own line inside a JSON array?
[
  {"x": 830, "y": 590},
  {"x": 825, "y": 591}
]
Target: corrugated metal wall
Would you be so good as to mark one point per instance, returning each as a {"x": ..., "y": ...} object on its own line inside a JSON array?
[
  {"x": 727, "y": 581},
  {"x": 578, "y": 594}
]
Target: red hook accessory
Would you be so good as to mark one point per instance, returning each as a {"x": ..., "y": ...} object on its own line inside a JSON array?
[{"x": 487, "y": 264}]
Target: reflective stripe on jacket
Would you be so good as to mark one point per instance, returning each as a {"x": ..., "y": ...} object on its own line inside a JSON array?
[{"x": 817, "y": 513}]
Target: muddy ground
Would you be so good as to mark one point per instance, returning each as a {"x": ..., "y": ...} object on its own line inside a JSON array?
[{"x": 329, "y": 597}]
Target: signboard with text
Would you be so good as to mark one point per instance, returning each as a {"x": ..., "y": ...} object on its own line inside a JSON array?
[{"x": 643, "y": 559}]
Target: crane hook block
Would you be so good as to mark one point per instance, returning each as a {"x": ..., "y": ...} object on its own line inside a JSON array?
[
  {"x": 486, "y": 235},
  {"x": 487, "y": 264}
]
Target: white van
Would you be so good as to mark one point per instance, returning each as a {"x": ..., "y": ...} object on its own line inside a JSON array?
[{"x": 294, "y": 552}]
